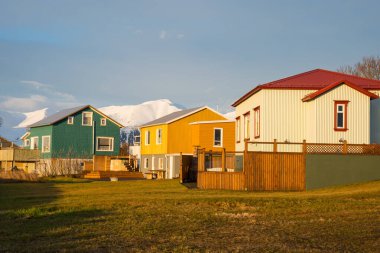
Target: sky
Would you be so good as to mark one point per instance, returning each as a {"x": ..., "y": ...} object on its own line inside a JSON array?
[{"x": 59, "y": 54}]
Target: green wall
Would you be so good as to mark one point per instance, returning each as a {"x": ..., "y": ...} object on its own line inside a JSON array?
[
  {"x": 328, "y": 170},
  {"x": 39, "y": 132},
  {"x": 76, "y": 141}
]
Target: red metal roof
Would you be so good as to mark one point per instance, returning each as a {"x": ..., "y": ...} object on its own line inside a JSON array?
[
  {"x": 333, "y": 85},
  {"x": 314, "y": 80}
]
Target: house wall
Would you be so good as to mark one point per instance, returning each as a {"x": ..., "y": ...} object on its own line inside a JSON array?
[
  {"x": 77, "y": 141},
  {"x": 375, "y": 121},
  {"x": 358, "y": 116},
  {"x": 203, "y": 135},
  {"x": 179, "y": 132},
  {"x": 39, "y": 132},
  {"x": 284, "y": 116},
  {"x": 154, "y": 147}
]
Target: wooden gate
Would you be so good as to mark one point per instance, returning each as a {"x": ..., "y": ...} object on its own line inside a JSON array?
[{"x": 267, "y": 171}]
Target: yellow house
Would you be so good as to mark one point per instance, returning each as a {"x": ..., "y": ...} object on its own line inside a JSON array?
[{"x": 164, "y": 139}]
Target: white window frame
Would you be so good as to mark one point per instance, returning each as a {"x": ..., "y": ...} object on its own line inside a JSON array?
[
  {"x": 33, "y": 141},
  {"x": 238, "y": 123},
  {"x": 161, "y": 163},
  {"x": 159, "y": 136},
  {"x": 70, "y": 120},
  {"x": 105, "y": 137},
  {"x": 26, "y": 142},
  {"x": 90, "y": 124},
  {"x": 221, "y": 137},
  {"x": 43, "y": 139},
  {"x": 147, "y": 137},
  {"x": 247, "y": 129},
  {"x": 103, "y": 122},
  {"x": 146, "y": 163}
]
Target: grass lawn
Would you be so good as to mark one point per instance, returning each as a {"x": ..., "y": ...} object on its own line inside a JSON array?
[{"x": 77, "y": 215}]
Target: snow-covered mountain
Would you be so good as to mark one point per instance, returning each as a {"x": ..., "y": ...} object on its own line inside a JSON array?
[
  {"x": 32, "y": 117},
  {"x": 136, "y": 115}
]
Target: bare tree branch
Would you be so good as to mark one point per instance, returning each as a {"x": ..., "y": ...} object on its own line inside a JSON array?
[{"x": 369, "y": 67}]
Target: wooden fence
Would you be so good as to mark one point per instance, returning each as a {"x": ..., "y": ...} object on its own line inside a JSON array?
[{"x": 269, "y": 171}]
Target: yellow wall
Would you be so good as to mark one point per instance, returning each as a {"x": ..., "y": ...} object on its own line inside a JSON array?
[
  {"x": 203, "y": 135},
  {"x": 153, "y": 147},
  {"x": 180, "y": 139}
]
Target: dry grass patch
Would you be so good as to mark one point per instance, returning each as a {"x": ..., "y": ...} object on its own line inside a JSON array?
[{"x": 158, "y": 216}]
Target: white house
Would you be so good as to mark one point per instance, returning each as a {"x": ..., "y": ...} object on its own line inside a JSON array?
[{"x": 318, "y": 106}]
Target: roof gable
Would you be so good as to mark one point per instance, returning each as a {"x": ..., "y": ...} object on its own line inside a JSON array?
[
  {"x": 336, "y": 84},
  {"x": 50, "y": 120},
  {"x": 172, "y": 117},
  {"x": 312, "y": 80}
]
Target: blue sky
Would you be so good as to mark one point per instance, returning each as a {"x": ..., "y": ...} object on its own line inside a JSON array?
[{"x": 62, "y": 53}]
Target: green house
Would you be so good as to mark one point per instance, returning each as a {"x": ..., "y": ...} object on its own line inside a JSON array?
[{"x": 77, "y": 133}]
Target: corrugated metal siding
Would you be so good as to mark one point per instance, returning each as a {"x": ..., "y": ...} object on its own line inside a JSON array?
[
  {"x": 284, "y": 116},
  {"x": 358, "y": 116}
]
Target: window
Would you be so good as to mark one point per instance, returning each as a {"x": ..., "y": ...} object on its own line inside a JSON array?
[
  {"x": 246, "y": 126},
  {"x": 26, "y": 143},
  {"x": 218, "y": 137},
  {"x": 87, "y": 119},
  {"x": 238, "y": 129},
  {"x": 104, "y": 144},
  {"x": 340, "y": 117},
  {"x": 159, "y": 136},
  {"x": 34, "y": 142},
  {"x": 256, "y": 115},
  {"x": 146, "y": 163},
  {"x": 136, "y": 140},
  {"x": 70, "y": 120},
  {"x": 45, "y": 144},
  {"x": 161, "y": 163},
  {"x": 103, "y": 121},
  {"x": 147, "y": 137}
]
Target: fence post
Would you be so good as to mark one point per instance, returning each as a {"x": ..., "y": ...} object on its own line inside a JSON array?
[
  {"x": 344, "y": 147},
  {"x": 275, "y": 146},
  {"x": 223, "y": 159},
  {"x": 304, "y": 147},
  {"x": 245, "y": 155}
]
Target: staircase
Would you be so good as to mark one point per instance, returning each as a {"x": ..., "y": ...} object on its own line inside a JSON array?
[{"x": 118, "y": 174}]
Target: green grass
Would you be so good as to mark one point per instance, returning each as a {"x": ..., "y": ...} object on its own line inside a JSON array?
[{"x": 76, "y": 215}]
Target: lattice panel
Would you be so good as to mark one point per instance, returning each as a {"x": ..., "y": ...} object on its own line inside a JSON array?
[
  {"x": 373, "y": 149},
  {"x": 324, "y": 148}
]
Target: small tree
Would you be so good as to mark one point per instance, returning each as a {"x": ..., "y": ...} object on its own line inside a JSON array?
[{"x": 368, "y": 67}]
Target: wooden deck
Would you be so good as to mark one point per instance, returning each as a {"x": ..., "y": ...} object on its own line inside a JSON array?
[{"x": 118, "y": 174}]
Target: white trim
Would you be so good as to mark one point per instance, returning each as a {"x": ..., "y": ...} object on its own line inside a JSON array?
[
  {"x": 211, "y": 122},
  {"x": 32, "y": 142},
  {"x": 185, "y": 115},
  {"x": 146, "y": 138},
  {"x": 105, "y": 121},
  {"x": 26, "y": 135},
  {"x": 105, "y": 137},
  {"x": 26, "y": 143},
  {"x": 72, "y": 120},
  {"x": 158, "y": 142},
  {"x": 221, "y": 138},
  {"x": 146, "y": 159},
  {"x": 42, "y": 144},
  {"x": 92, "y": 117}
]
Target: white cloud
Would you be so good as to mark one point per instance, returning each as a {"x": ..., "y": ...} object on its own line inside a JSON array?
[
  {"x": 44, "y": 95},
  {"x": 36, "y": 84},
  {"x": 163, "y": 34},
  {"x": 180, "y": 36},
  {"x": 27, "y": 104}
]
